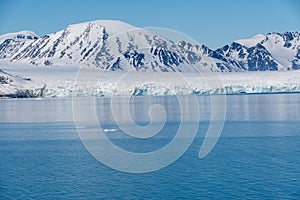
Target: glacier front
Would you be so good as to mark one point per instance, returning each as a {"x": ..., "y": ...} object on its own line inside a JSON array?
[{"x": 68, "y": 81}]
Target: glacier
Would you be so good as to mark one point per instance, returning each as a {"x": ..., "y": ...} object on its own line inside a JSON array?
[{"x": 63, "y": 82}]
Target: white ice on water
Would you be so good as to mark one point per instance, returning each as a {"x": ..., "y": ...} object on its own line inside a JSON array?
[{"x": 60, "y": 80}]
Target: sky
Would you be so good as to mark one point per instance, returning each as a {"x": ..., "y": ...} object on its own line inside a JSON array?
[{"x": 211, "y": 22}]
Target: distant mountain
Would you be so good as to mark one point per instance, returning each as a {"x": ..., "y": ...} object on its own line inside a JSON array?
[
  {"x": 116, "y": 46},
  {"x": 18, "y": 36},
  {"x": 273, "y": 51}
]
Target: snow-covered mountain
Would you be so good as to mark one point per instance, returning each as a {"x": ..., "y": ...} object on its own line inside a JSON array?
[
  {"x": 105, "y": 44},
  {"x": 273, "y": 51},
  {"x": 118, "y": 46}
]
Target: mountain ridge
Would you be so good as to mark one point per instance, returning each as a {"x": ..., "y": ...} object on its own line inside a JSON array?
[{"x": 118, "y": 46}]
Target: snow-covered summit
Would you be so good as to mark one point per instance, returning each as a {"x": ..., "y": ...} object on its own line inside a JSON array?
[
  {"x": 113, "y": 27},
  {"x": 250, "y": 42},
  {"x": 21, "y": 35}
]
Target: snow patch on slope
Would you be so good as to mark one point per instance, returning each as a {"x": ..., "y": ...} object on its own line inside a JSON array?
[{"x": 250, "y": 42}]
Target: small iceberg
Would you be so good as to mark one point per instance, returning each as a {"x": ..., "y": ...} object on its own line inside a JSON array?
[{"x": 110, "y": 130}]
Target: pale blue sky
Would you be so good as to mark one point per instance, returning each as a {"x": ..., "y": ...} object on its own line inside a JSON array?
[{"x": 210, "y": 22}]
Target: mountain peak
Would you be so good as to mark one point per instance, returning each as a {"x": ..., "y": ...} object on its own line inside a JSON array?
[
  {"x": 250, "y": 42},
  {"x": 111, "y": 26},
  {"x": 21, "y": 35}
]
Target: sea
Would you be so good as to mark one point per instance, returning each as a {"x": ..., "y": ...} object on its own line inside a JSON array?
[{"x": 255, "y": 155}]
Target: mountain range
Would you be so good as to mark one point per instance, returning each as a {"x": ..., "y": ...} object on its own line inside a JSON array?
[{"x": 118, "y": 46}]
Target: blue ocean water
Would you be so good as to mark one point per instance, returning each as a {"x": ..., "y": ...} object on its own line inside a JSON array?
[{"x": 256, "y": 157}]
